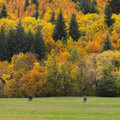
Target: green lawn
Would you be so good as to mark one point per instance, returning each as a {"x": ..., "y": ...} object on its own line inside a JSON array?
[{"x": 61, "y": 108}]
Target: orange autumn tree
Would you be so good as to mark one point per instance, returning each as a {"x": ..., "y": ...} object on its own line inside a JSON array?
[
  {"x": 101, "y": 5},
  {"x": 34, "y": 81},
  {"x": 93, "y": 47},
  {"x": 115, "y": 40}
]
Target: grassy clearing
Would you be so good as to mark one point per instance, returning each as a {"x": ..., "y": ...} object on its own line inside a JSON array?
[{"x": 61, "y": 108}]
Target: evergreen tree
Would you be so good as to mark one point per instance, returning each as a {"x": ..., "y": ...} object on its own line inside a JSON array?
[
  {"x": 10, "y": 43},
  {"x": 35, "y": 2},
  {"x": 115, "y": 6},
  {"x": 73, "y": 29},
  {"x": 50, "y": 1},
  {"x": 3, "y": 11},
  {"x": 30, "y": 38},
  {"x": 39, "y": 45},
  {"x": 107, "y": 44},
  {"x": 85, "y": 6},
  {"x": 88, "y": 6},
  {"x": 19, "y": 39},
  {"x": 26, "y": 4},
  {"x": 52, "y": 19},
  {"x": 60, "y": 28},
  {"x": 3, "y": 45},
  {"x": 93, "y": 7},
  {"x": 75, "y": 1},
  {"x": 108, "y": 14}
]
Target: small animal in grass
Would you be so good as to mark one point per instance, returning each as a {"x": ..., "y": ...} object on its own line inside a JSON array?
[
  {"x": 85, "y": 99},
  {"x": 30, "y": 97}
]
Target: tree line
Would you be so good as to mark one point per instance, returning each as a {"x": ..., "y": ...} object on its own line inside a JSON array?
[{"x": 91, "y": 75}]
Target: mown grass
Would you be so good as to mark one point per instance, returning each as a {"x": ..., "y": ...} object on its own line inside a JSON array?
[{"x": 60, "y": 108}]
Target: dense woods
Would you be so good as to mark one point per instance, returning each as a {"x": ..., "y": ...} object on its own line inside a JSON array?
[{"x": 59, "y": 48}]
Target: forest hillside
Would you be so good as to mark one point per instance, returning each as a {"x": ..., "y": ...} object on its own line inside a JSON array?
[{"x": 59, "y": 48}]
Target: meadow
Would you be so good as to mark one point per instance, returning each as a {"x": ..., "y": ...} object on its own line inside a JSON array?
[{"x": 60, "y": 108}]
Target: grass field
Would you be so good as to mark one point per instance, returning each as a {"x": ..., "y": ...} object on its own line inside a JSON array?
[{"x": 61, "y": 108}]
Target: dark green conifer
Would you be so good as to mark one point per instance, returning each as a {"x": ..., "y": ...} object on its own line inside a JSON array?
[
  {"x": 60, "y": 28},
  {"x": 30, "y": 38},
  {"x": 52, "y": 19},
  {"x": 3, "y": 11},
  {"x": 39, "y": 45},
  {"x": 94, "y": 7},
  {"x": 19, "y": 39},
  {"x": 75, "y": 1},
  {"x": 3, "y": 45},
  {"x": 115, "y": 6},
  {"x": 35, "y": 2},
  {"x": 107, "y": 44},
  {"x": 50, "y": 1},
  {"x": 73, "y": 28},
  {"x": 10, "y": 43},
  {"x": 108, "y": 14},
  {"x": 85, "y": 6},
  {"x": 88, "y": 6}
]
